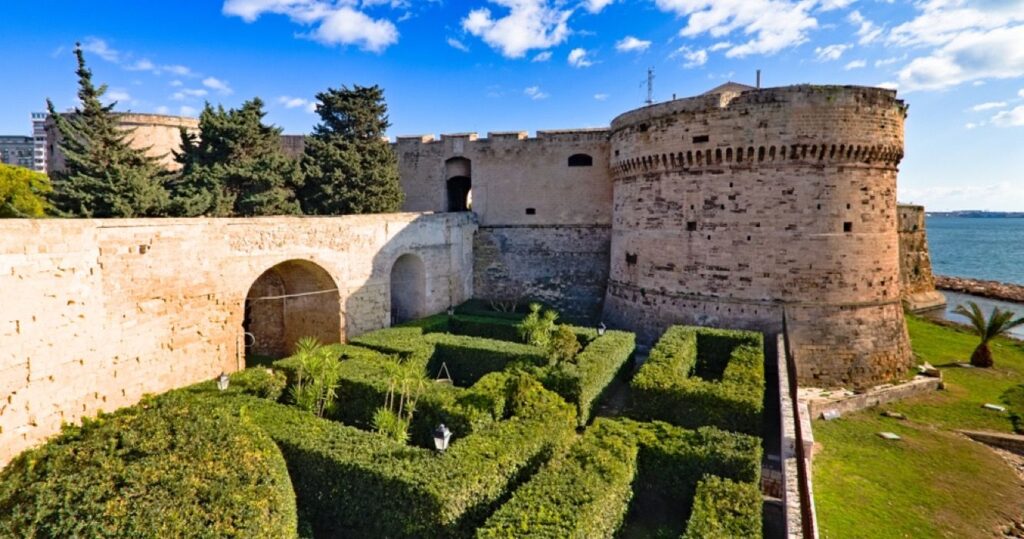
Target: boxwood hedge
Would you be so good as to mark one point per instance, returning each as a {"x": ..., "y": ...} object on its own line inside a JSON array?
[
  {"x": 587, "y": 492},
  {"x": 702, "y": 376},
  {"x": 582, "y": 381},
  {"x": 170, "y": 467},
  {"x": 725, "y": 509}
]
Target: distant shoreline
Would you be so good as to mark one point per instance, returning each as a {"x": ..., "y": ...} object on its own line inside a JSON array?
[{"x": 977, "y": 214}]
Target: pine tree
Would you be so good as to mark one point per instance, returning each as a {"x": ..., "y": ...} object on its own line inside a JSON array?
[
  {"x": 234, "y": 166},
  {"x": 348, "y": 167},
  {"x": 103, "y": 175}
]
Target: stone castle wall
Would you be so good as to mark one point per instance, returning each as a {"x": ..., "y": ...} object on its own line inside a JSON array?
[
  {"x": 917, "y": 284},
  {"x": 99, "y": 312},
  {"x": 545, "y": 226},
  {"x": 745, "y": 209}
]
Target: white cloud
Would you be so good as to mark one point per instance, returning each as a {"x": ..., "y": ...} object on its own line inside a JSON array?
[
  {"x": 596, "y": 6},
  {"x": 856, "y": 64},
  {"x": 830, "y": 52},
  {"x": 542, "y": 57},
  {"x": 829, "y": 5},
  {"x": 220, "y": 86},
  {"x": 971, "y": 55},
  {"x": 101, "y": 48},
  {"x": 311, "y": 107},
  {"x": 988, "y": 106},
  {"x": 719, "y": 46},
  {"x": 186, "y": 110},
  {"x": 942, "y": 21},
  {"x": 1009, "y": 118},
  {"x": 179, "y": 70},
  {"x": 771, "y": 25},
  {"x": 176, "y": 83},
  {"x": 867, "y": 31},
  {"x": 141, "y": 65},
  {"x": 292, "y": 102},
  {"x": 889, "y": 61},
  {"x": 1021, "y": 92},
  {"x": 116, "y": 94},
  {"x": 601, "y": 97},
  {"x": 529, "y": 24},
  {"x": 970, "y": 125},
  {"x": 631, "y": 44},
  {"x": 993, "y": 196},
  {"x": 535, "y": 93},
  {"x": 579, "y": 58},
  {"x": 456, "y": 44},
  {"x": 162, "y": 109},
  {"x": 188, "y": 93},
  {"x": 334, "y": 23},
  {"x": 694, "y": 58}
]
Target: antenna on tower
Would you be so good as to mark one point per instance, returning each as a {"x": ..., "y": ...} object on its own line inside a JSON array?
[{"x": 650, "y": 85}]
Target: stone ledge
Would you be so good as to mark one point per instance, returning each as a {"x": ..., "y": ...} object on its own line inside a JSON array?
[
  {"x": 978, "y": 287},
  {"x": 1013, "y": 443},
  {"x": 844, "y": 401}
]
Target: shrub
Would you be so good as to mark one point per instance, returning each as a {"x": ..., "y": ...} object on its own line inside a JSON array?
[
  {"x": 354, "y": 483},
  {"x": 562, "y": 346},
  {"x": 170, "y": 466},
  {"x": 537, "y": 327},
  {"x": 502, "y": 329},
  {"x": 316, "y": 378},
  {"x": 725, "y": 509},
  {"x": 470, "y": 358},
  {"x": 259, "y": 382},
  {"x": 587, "y": 492},
  {"x": 701, "y": 376},
  {"x": 582, "y": 381},
  {"x": 583, "y": 494}
]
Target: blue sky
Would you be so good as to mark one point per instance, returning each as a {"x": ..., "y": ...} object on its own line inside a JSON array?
[{"x": 491, "y": 65}]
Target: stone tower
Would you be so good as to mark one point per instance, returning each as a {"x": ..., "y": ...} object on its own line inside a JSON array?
[{"x": 765, "y": 209}]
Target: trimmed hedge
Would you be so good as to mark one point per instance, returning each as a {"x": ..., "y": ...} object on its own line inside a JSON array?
[
  {"x": 584, "y": 380},
  {"x": 469, "y": 358},
  {"x": 354, "y": 483},
  {"x": 259, "y": 382},
  {"x": 702, "y": 376},
  {"x": 587, "y": 492},
  {"x": 170, "y": 466},
  {"x": 725, "y": 509}
]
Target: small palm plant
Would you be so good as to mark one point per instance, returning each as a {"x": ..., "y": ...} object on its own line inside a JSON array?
[
  {"x": 536, "y": 328},
  {"x": 998, "y": 323},
  {"x": 317, "y": 378}
]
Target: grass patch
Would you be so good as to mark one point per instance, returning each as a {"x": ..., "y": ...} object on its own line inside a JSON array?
[{"x": 934, "y": 482}]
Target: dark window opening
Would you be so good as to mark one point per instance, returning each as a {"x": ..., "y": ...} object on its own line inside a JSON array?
[
  {"x": 848, "y": 226},
  {"x": 531, "y": 211},
  {"x": 691, "y": 226},
  {"x": 581, "y": 160},
  {"x": 631, "y": 258},
  {"x": 459, "y": 194},
  {"x": 701, "y": 138}
]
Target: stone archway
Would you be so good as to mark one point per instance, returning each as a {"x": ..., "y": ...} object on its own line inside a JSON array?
[
  {"x": 291, "y": 300},
  {"x": 408, "y": 289}
]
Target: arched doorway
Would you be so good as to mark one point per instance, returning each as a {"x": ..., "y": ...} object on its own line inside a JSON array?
[
  {"x": 459, "y": 185},
  {"x": 408, "y": 289},
  {"x": 291, "y": 300}
]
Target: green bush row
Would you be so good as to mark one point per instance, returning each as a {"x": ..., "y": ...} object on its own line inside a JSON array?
[
  {"x": 725, "y": 509},
  {"x": 167, "y": 467},
  {"x": 354, "y": 483},
  {"x": 702, "y": 376},
  {"x": 587, "y": 492},
  {"x": 582, "y": 381}
]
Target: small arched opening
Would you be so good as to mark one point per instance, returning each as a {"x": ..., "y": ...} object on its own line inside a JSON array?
[
  {"x": 581, "y": 160},
  {"x": 408, "y": 289},
  {"x": 459, "y": 185},
  {"x": 289, "y": 301}
]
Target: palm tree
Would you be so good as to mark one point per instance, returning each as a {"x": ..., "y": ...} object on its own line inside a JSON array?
[{"x": 998, "y": 323}]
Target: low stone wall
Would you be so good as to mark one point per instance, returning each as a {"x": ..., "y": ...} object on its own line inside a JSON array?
[
  {"x": 797, "y": 442},
  {"x": 985, "y": 289},
  {"x": 844, "y": 402},
  {"x": 1013, "y": 443}
]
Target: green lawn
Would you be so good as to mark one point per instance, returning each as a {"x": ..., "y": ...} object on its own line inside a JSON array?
[{"x": 933, "y": 482}]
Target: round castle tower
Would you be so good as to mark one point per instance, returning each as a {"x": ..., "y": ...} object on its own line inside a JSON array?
[{"x": 764, "y": 209}]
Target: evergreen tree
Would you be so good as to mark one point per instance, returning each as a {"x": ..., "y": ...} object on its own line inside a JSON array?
[
  {"x": 103, "y": 175},
  {"x": 234, "y": 166},
  {"x": 23, "y": 192},
  {"x": 348, "y": 167}
]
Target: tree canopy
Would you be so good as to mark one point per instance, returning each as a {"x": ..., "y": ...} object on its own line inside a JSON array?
[
  {"x": 23, "y": 192},
  {"x": 348, "y": 166},
  {"x": 103, "y": 175},
  {"x": 234, "y": 166}
]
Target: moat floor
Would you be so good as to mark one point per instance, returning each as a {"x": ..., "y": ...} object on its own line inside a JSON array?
[{"x": 934, "y": 482}]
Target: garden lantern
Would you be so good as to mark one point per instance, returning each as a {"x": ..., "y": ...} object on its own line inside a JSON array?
[
  {"x": 451, "y": 311},
  {"x": 222, "y": 382},
  {"x": 441, "y": 437},
  {"x": 601, "y": 329}
]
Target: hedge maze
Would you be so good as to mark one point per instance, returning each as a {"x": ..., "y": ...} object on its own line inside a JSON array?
[{"x": 527, "y": 458}]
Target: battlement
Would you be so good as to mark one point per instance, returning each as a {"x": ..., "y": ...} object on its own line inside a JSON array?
[{"x": 598, "y": 134}]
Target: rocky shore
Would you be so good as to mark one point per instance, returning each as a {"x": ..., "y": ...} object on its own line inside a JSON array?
[{"x": 977, "y": 287}]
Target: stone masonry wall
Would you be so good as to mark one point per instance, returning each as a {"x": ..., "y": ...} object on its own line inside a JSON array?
[
  {"x": 734, "y": 209},
  {"x": 917, "y": 283},
  {"x": 99, "y": 312},
  {"x": 159, "y": 134}
]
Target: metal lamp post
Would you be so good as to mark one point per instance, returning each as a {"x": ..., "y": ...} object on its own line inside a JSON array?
[
  {"x": 441, "y": 437},
  {"x": 222, "y": 381}
]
